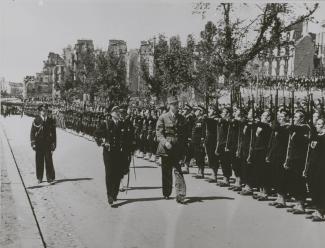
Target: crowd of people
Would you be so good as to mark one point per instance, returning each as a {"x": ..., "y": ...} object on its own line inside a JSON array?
[{"x": 269, "y": 149}]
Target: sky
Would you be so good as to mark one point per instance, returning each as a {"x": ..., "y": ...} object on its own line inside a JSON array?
[{"x": 30, "y": 29}]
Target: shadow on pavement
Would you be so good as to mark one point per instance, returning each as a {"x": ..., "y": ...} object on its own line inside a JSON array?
[
  {"x": 194, "y": 199},
  {"x": 188, "y": 200},
  {"x": 143, "y": 188},
  {"x": 128, "y": 201},
  {"x": 60, "y": 181}
]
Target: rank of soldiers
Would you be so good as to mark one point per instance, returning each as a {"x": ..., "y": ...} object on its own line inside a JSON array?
[{"x": 268, "y": 148}]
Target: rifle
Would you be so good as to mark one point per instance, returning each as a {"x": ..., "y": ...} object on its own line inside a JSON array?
[
  {"x": 292, "y": 123},
  {"x": 249, "y": 158},
  {"x": 310, "y": 121},
  {"x": 135, "y": 175}
]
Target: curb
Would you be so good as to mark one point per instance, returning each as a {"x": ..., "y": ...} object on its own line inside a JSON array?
[{"x": 27, "y": 232}]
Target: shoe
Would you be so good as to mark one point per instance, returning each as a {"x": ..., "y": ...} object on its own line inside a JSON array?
[
  {"x": 317, "y": 218},
  {"x": 263, "y": 198},
  {"x": 290, "y": 210},
  {"x": 298, "y": 211},
  {"x": 273, "y": 204},
  {"x": 246, "y": 192},
  {"x": 52, "y": 181},
  {"x": 309, "y": 217},
  {"x": 213, "y": 180},
  {"x": 180, "y": 199},
  {"x": 153, "y": 158},
  {"x": 255, "y": 196},
  {"x": 39, "y": 181},
  {"x": 110, "y": 200},
  {"x": 166, "y": 197},
  {"x": 224, "y": 184},
  {"x": 237, "y": 188}
]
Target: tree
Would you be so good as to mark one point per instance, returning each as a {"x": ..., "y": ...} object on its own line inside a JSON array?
[
  {"x": 110, "y": 81},
  {"x": 265, "y": 30},
  {"x": 207, "y": 62},
  {"x": 155, "y": 81}
]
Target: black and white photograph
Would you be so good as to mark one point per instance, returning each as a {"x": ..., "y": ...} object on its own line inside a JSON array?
[{"x": 162, "y": 124}]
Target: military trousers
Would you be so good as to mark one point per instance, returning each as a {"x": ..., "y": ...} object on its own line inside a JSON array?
[
  {"x": 168, "y": 163},
  {"x": 317, "y": 186},
  {"x": 114, "y": 172},
  {"x": 225, "y": 161},
  {"x": 213, "y": 159},
  {"x": 44, "y": 155}
]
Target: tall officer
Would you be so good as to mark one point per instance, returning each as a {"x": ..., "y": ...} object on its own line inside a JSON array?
[
  {"x": 171, "y": 137},
  {"x": 108, "y": 135},
  {"x": 43, "y": 142}
]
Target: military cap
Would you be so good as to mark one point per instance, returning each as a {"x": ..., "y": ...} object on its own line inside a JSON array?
[
  {"x": 114, "y": 109},
  {"x": 172, "y": 100},
  {"x": 42, "y": 106},
  {"x": 200, "y": 107}
]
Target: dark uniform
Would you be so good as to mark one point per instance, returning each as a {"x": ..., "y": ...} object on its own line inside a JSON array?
[
  {"x": 316, "y": 172},
  {"x": 43, "y": 141},
  {"x": 197, "y": 142},
  {"x": 276, "y": 157},
  {"x": 211, "y": 125},
  {"x": 170, "y": 128},
  {"x": 221, "y": 151},
  {"x": 295, "y": 161},
  {"x": 108, "y": 134}
]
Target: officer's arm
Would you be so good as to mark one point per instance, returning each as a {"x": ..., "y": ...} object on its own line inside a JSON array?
[
  {"x": 54, "y": 133},
  {"x": 160, "y": 129},
  {"x": 99, "y": 133},
  {"x": 32, "y": 134}
]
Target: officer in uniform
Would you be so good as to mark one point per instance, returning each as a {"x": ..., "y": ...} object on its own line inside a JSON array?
[
  {"x": 108, "y": 135},
  {"x": 198, "y": 138},
  {"x": 211, "y": 126},
  {"x": 127, "y": 144},
  {"x": 295, "y": 161},
  {"x": 276, "y": 156},
  {"x": 222, "y": 149},
  {"x": 315, "y": 171},
  {"x": 190, "y": 119},
  {"x": 43, "y": 142},
  {"x": 171, "y": 137}
]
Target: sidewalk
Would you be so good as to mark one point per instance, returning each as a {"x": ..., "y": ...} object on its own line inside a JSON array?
[{"x": 18, "y": 228}]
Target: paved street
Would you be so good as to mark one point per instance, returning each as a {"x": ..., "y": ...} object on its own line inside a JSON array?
[{"x": 74, "y": 212}]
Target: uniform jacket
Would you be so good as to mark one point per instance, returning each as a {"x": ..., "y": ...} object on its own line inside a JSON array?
[
  {"x": 109, "y": 132},
  {"x": 173, "y": 130},
  {"x": 43, "y": 133}
]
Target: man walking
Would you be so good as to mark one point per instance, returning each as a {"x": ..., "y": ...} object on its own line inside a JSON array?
[
  {"x": 171, "y": 137},
  {"x": 108, "y": 135},
  {"x": 43, "y": 142}
]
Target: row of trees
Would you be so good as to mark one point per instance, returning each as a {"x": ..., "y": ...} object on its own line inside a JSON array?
[{"x": 225, "y": 48}]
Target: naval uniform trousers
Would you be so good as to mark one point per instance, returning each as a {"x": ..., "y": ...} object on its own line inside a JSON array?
[
  {"x": 44, "y": 154},
  {"x": 114, "y": 171}
]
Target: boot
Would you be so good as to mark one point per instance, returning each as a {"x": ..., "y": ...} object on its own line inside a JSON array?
[{"x": 153, "y": 158}]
